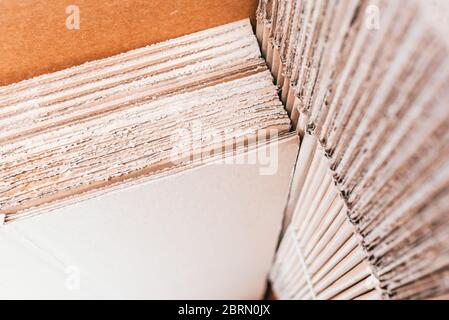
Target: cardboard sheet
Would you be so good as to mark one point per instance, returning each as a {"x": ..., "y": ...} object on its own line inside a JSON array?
[
  {"x": 34, "y": 38},
  {"x": 355, "y": 77},
  {"x": 209, "y": 232}
]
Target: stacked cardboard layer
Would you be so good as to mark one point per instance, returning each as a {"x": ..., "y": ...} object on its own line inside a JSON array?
[
  {"x": 320, "y": 256},
  {"x": 368, "y": 80},
  {"x": 142, "y": 113},
  {"x": 158, "y": 173}
]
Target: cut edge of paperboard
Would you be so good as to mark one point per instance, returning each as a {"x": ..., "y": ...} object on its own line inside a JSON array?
[
  {"x": 232, "y": 224},
  {"x": 151, "y": 176}
]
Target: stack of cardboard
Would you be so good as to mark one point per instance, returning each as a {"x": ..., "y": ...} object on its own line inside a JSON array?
[
  {"x": 138, "y": 171},
  {"x": 169, "y": 171},
  {"x": 366, "y": 84}
]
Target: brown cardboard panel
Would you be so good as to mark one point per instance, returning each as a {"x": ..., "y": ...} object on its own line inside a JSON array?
[{"x": 35, "y": 40}]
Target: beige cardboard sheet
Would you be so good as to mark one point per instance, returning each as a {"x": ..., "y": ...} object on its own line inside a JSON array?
[{"x": 209, "y": 232}]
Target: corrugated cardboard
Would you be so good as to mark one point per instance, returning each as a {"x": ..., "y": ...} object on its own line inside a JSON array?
[
  {"x": 34, "y": 38},
  {"x": 208, "y": 233},
  {"x": 359, "y": 84},
  {"x": 134, "y": 108}
]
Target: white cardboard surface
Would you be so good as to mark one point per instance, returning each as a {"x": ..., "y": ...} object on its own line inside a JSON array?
[{"x": 209, "y": 233}]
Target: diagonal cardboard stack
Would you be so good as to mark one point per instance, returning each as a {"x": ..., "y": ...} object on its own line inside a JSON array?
[
  {"x": 366, "y": 85},
  {"x": 146, "y": 173},
  {"x": 165, "y": 172}
]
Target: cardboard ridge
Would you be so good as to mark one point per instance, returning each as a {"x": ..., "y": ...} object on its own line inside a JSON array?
[{"x": 372, "y": 105}]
